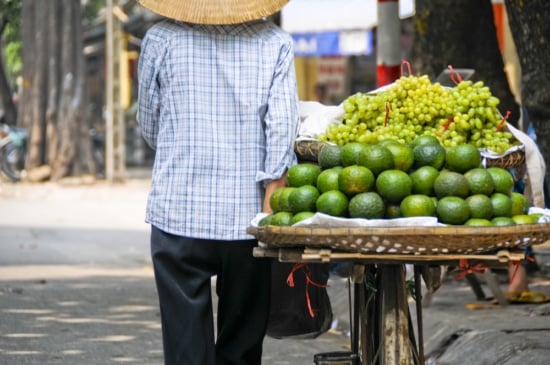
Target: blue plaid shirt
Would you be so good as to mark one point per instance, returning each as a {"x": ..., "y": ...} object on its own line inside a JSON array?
[{"x": 219, "y": 105}]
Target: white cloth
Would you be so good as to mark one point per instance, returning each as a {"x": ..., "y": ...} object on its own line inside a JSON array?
[
  {"x": 316, "y": 117},
  {"x": 325, "y": 220},
  {"x": 535, "y": 167}
]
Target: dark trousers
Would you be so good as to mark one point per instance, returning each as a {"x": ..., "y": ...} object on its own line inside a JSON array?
[{"x": 183, "y": 270}]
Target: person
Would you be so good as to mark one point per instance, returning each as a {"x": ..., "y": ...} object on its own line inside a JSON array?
[
  {"x": 321, "y": 93},
  {"x": 218, "y": 102},
  {"x": 518, "y": 274}
]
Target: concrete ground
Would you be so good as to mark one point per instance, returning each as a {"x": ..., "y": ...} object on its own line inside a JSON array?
[{"x": 76, "y": 287}]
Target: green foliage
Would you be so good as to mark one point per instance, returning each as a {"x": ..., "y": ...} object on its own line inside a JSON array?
[
  {"x": 14, "y": 63},
  {"x": 91, "y": 9},
  {"x": 10, "y": 24}
]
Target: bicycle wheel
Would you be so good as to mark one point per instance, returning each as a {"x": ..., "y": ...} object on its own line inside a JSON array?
[{"x": 12, "y": 161}]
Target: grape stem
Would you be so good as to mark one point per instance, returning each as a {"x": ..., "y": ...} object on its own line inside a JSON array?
[
  {"x": 448, "y": 123},
  {"x": 387, "y": 117}
]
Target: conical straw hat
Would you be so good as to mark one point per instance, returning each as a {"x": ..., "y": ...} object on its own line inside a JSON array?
[{"x": 214, "y": 11}]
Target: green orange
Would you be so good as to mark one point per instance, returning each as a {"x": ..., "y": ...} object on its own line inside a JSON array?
[
  {"x": 330, "y": 155},
  {"x": 502, "y": 205},
  {"x": 452, "y": 210},
  {"x": 303, "y": 174},
  {"x": 480, "y": 206},
  {"x": 282, "y": 204},
  {"x": 303, "y": 199},
  {"x": 520, "y": 203},
  {"x": 367, "y": 205},
  {"x": 450, "y": 183},
  {"x": 333, "y": 202},
  {"x": 524, "y": 219},
  {"x": 281, "y": 219},
  {"x": 328, "y": 179},
  {"x": 403, "y": 156},
  {"x": 423, "y": 180},
  {"x": 429, "y": 154},
  {"x": 424, "y": 139},
  {"x": 376, "y": 158},
  {"x": 355, "y": 179},
  {"x": 478, "y": 222},
  {"x": 462, "y": 157},
  {"x": 298, "y": 217},
  {"x": 480, "y": 181},
  {"x": 350, "y": 152},
  {"x": 393, "y": 185},
  {"x": 417, "y": 205},
  {"x": 502, "y": 179}
]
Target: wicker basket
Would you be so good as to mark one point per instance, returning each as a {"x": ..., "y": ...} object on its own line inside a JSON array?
[
  {"x": 308, "y": 150},
  {"x": 513, "y": 159},
  {"x": 405, "y": 240}
]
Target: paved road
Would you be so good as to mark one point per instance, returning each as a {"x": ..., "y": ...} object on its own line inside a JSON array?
[
  {"x": 76, "y": 284},
  {"x": 76, "y": 288}
]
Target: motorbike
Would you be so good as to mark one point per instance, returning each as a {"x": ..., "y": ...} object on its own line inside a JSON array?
[{"x": 13, "y": 151}]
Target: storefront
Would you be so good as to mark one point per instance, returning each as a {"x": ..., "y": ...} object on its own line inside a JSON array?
[{"x": 335, "y": 45}]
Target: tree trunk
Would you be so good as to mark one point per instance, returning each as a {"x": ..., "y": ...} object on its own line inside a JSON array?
[
  {"x": 461, "y": 33},
  {"x": 55, "y": 22},
  {"x": 53, "y": 95},
  {"x": 24, "y": 115},
  {"x": 531, "y": 32},
  {"x": 38, "y": 84}
]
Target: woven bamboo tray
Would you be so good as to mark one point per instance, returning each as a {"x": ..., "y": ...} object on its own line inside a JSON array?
[
  {"x": 405, "y": 240},
  {"x": 308, "y": 150},
  {"x": 513, "y": 159}
]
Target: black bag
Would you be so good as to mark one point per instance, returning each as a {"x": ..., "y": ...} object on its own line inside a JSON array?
[{"x": 300, "y": 305}]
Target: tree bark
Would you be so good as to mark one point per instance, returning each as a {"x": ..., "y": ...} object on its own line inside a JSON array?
[
  {"x": 24, "y": 115},
  {"x": 54, "y": 73},
  {"x": 38, "y": 84},
  {"x": 53, "y": 95},
  {"x": 461, "y": 33},
  {"x": 531, "y": 32}
]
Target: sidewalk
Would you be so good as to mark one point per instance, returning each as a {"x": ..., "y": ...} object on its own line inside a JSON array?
[{"x": 76, "y": 287}]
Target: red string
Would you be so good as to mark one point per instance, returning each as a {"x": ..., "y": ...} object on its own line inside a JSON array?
[
  {"x": 502, "y": 122},
  {"x": 455, "y": 76},
  {"x": 465, "y": 269},
  {"x": 516, "y": 263},
  {"x": 307, "y": 273},
  {"x": 408, "y": 64}
]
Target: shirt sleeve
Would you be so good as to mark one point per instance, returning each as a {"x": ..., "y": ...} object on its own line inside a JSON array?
[
  {"x": 282, "y": 119},
  {"x": 149, "y": 91}
]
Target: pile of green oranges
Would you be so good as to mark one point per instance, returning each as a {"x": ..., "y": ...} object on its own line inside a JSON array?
[{"x": 389, "y": 179}]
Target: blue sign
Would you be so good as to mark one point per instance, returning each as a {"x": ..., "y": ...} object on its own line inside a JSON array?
[{"x": 344, "y": 43}]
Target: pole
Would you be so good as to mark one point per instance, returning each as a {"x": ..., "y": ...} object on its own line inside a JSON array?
[
  {"x": 115, "y": 151},
  {"x": 388, "y": 45}
]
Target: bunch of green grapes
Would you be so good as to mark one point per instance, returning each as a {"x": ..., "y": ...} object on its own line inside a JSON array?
[
  {"x": 403, "y": 111},
  {"x": 475, "y": 119},
  {"x": 413, "y": 106}
]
